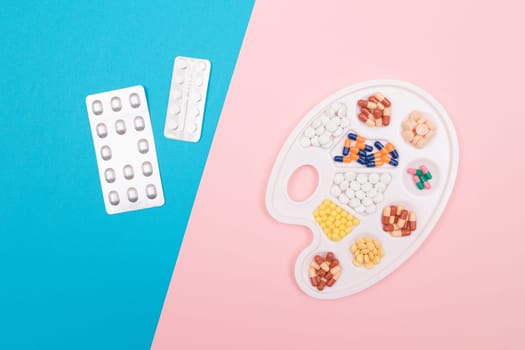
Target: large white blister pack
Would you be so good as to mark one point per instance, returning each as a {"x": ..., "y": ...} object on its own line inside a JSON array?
[{"x": 125, "y": 149}]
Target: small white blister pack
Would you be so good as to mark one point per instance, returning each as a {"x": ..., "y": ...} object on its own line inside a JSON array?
[
  {"x": 189, "y": 84},
  {"x": 125, "y": 149}
]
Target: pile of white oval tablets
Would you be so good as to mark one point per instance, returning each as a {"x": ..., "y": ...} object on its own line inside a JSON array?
[{"x": 330, "y": 125}]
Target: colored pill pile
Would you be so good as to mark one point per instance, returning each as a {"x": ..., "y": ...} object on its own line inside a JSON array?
[
  {"x": 398, "y": 221},
  {"x": 417, "y": 130},
  {"x": 336, "y": 222},
  {"x": 367, "y": 252},
  {"x": 421, "y": 177},
  {"x": 324, "y": 271},
  {"x": 375, "y": 111},
  {"x": 360, "y": 191},
  {"x": 322, "y": 130},
  {"x": 363, "y": 153}
]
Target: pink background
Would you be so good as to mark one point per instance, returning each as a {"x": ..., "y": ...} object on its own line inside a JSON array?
[{"x": 233, "y": 286}]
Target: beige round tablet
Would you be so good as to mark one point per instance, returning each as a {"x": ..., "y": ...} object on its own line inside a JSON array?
[{"x": 422, "y": 129}]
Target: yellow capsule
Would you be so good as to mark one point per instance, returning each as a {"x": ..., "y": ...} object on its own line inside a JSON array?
[
  {"x": 359, "y": 258},
  {"x": 377, "y": 259},
  {"x": 353, "y": 248},
  {"x": 366, "y": 259},
  {"x": 356, "y": 263},
  {"x": 369, "y": 265}
]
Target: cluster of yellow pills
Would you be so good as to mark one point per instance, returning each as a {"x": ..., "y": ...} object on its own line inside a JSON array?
[
  {"x": 336, "y": 222},
  {"x": 367, "y": 251}
]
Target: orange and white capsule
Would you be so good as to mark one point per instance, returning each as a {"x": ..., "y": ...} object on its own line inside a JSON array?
[
  {"x": 382, "y": 99},
  {"x": 366, "y": 104}
]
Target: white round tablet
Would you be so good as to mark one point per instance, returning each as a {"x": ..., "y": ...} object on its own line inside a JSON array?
[
  {"x": 315, "y": 141},
  {"x": 360, "y": 194},
  {"x": 373, "y": 178},
  {"x": 335, "y": 191},
  {"x": 324, "y": 139},
  {"x": 338, "y": 132},
  {"x": 338, "y": 178},
  {"x": 366, "y": 187},
  {"x": 362, "y": 178},
  {"x": 344, "y": 185},
  {"x": 343, "y": 198},
  {"x": 354, "y": 202},
  {"x": 386, "y": 178},
  {"x": 371, "y": 193},
  {"x": 378, "y": 198},
  {"x": 360, "y": 209},
  {"x": 380, "y": 187},
  {"x": 316, "y": 123},
  {"x": 309, "y": 132},
  {"x": 319, "y": 131},
  {"x": 354, "y": 185},
  {"x": 305, "y": 141},
  {"x": 371, "y": 209},
  {"x": 349, "y": 175},
  {"x": 350, "y": 193},
  {"x": 331, "y": 126},
  {"x": 366, "y": 201},
  {"x": 345, "y": 122}
]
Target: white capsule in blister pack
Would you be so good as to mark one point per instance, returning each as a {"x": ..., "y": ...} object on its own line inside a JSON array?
[
  {"x": 125, "y": 150},
  {"x": 189, "y": 84}
]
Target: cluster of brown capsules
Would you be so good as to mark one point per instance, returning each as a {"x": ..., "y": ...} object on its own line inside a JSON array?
[
  {"x": 375, "y": 111},
  {"x": 398, "y": 221},
  {"x": 324, "y": 272}
]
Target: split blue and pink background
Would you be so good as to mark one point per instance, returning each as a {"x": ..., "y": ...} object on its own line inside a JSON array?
[{"x": 73, "y": 277}]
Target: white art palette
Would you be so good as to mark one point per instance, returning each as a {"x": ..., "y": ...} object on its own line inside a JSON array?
[{"x": 348, "y": 204}]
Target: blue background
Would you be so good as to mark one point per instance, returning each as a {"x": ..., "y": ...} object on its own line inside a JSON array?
[{"x": 72, "y": 276}]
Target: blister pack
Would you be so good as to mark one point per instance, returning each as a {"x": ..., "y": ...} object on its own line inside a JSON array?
[
  {"x": 189, "y": 85},
  {"x": 125, "y": 149}
]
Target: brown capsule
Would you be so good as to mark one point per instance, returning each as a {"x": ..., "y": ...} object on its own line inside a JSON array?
[
  {"x": 330, "y": 282},
  {"x": 386, "y": 120},
  {"x": 318, "y": 259},
  {"x": 388, "y": 227},
  {"x": 385, "y": 219},
  {"x": 404, "y": 214},
  {"x": 321, "y": 273},
  {"x": 335, "y": 270},
  {"x": 366, "y": 104},
  {"x": 314, "y": 281},
  {"x": 329, "y": 276},
  {"x": 321, "y": 284},
  {"x": 396, "y": 233},
  {"x": 334, "y": 263},
  {"x": 393, "y": 210},
  {"x": 373, "y": 99},
  {"x": 325, "y": 266},
  {"x": 362, "y": 117},
  {"x": 405, "y": 232},
  {"x": 365, "y": 111},
  {"x": 377, "y": 114},
  {"x": 412, "y": 225},
  {"x": 329, "y": 256}
]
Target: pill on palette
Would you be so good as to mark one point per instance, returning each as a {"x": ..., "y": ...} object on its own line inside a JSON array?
[
  {"x": 125, "y": 150},
  {"x": 367, "y": 208},
  {"x": 187, "y": 99}
]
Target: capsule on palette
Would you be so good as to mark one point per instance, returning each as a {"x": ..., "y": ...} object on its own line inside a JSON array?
[{"x": 364, "y": 153}]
